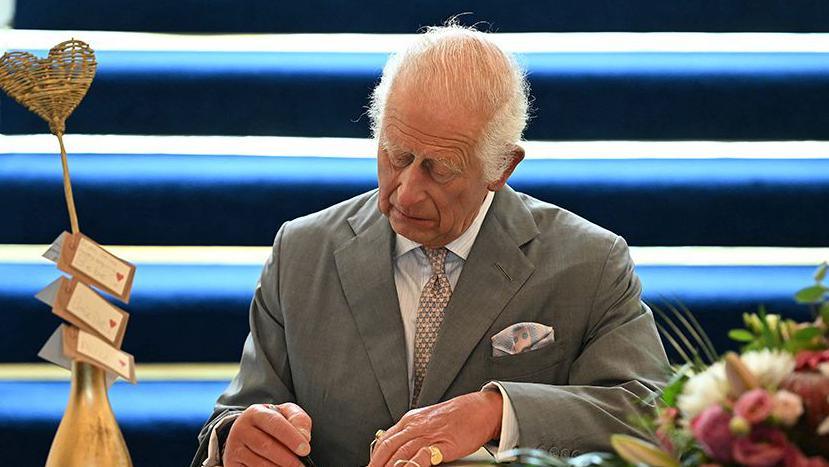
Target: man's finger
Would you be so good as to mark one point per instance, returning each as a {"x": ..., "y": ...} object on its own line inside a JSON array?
[
  {"x": 272, "y": 422},
  {"x": 297, "y": 417},
  {"x": 388, "y": 446},
  {"x": 392, "y": 432},
  {"x": 408, "y": 451},
  {"x": 249, "y": 458},
  {"x": 265, "y": 446},
  {"x": 423, "y": 457}
]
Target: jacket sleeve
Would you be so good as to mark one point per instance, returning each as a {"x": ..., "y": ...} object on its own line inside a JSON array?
[
  {"x": 264, "y": 373},
  {"x": 621, "y": 362}
]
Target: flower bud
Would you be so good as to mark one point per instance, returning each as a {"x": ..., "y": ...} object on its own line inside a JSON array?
[{"x": 739, "y": 426}]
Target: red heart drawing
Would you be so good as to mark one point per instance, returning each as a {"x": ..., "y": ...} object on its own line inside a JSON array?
[
  {"x": 123, "y": 363},
  {"x": 119, "y": 276},
  {"x": 112, "y": 323}
]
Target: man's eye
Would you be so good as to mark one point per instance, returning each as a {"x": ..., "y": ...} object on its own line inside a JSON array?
[
  {"x": 441, "y": 172},
  {"x": 400, "y": 160}
]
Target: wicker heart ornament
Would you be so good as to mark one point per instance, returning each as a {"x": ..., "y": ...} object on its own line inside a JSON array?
[{"x": 53, "y": 86}]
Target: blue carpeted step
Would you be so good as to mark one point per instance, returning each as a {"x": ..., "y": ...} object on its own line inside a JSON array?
[
  {"x": 382, "y": 16},
  {"x": 160, "y": 430},
  {"x": 578, "y": 95},
  {"x": 177, "y": 309},
  {"x": 238, "y": 200}
]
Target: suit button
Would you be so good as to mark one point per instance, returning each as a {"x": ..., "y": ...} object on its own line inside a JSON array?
[
  {"x": 575, "y": 453},
  {"x": 553, "y": 451},
  {"x": 565, "y": 452}
]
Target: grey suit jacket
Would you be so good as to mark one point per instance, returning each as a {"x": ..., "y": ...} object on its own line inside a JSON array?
[{"x": 326, "y": 331}]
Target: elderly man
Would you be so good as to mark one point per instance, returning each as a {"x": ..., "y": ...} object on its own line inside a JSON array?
[{"x": 443, "y": 307}]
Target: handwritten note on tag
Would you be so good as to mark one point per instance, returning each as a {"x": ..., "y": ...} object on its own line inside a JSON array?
[
  {"x": 52, "y": 351},
  {"x": 79, "y": 304},
  {"x": 81, "y": 345},
  {"x": 82, "y": 257}
]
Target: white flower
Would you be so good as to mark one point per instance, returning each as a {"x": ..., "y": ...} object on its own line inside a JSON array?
[
  {"x": 770, "y": 367},
  {"x": 703, "y": 390},
  {"x": 711, "y": 387},
  {"x": 824, "y": 369}
]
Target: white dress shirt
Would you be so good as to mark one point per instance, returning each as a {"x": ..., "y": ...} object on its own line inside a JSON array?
[{"x": 411, "y": 272}]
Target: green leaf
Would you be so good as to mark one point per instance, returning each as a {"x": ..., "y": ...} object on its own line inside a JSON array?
[
  {"x": 741, "y": 335},
  {"x": 820, "y": 274},
  {"x": 675, "y": 386},
  {"x": 813, "y": 294},
  {"x": 807, "y": 334},
  {"x": 770, "y": 338}
]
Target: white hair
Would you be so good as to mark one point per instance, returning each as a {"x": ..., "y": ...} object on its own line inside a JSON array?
[{"x": 471, "y": 71}]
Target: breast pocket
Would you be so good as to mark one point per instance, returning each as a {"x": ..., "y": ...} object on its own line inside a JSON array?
[{"x": 544, "y": 365}]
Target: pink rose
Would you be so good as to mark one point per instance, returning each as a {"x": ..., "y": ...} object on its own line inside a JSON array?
[
  {"x": 755, "y": 406},
  {"x": 764, "y": 447},
  {"x": 788, "y": 407},
  {"x": 808, "y": 360},
  {"x": 710, "y": 428}
]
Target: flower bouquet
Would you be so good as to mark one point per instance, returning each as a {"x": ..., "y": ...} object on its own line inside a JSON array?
[{"x": 766, "y": 406}]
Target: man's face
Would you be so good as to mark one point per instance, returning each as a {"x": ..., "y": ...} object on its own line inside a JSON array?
[{"x": 431, "y": 183}]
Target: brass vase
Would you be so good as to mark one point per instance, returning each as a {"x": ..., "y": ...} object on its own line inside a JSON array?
[{"x": 88, "y": 435}]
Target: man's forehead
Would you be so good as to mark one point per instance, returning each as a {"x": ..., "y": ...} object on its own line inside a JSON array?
[
  {"x": 417, "y": 115},
  {"x": 398, "y": 136}
]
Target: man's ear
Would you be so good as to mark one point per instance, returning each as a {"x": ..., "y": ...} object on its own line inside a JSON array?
[{"x": 516, "y": 156}]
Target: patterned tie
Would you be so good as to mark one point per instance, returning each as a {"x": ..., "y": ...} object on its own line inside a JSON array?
[{"x": 433, "y": 300}]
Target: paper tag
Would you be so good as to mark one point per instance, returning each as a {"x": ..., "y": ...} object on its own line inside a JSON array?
[
  {"x": 50, "y": 293},
  {"x": 52, "y": 352},
  {"x": 88, "y": 347},
  {"x": 53, "y": 253},
  {"x": 79, "y": 304},
  {"x": 80, "y": 256}
]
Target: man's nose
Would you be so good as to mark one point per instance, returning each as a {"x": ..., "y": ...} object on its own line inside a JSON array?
[{"x": 411, "y": 189}]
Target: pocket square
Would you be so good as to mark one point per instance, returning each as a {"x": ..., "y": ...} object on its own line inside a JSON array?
[{"x": 521, "y": 337}]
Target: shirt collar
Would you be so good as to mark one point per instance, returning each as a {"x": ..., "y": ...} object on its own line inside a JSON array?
[{"x": 460, "y": 246}]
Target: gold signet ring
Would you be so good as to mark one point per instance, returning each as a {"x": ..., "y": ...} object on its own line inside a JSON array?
[
  {"x": 379, "y": 434},
  {"x": 436, "y": 455}
]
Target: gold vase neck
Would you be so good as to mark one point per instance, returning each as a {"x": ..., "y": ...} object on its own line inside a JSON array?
[{"x": 88, "y": 374}]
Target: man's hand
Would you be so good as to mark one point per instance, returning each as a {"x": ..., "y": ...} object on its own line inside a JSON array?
[
  {"x": 458, "y": 427},
  {"x": 268, "y": 435}
]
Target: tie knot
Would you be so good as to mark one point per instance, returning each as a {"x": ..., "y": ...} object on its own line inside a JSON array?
[{"x": 437, "y": 258}]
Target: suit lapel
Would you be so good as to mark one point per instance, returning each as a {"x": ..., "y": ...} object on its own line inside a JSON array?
[
  {"x": 493, "y": 273},
  {"x": 366, "y": 272}
]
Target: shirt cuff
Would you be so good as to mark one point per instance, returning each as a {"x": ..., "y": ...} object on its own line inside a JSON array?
[
  {"x": 509, "y": 423},
  {"x": 214, "y": 456}
]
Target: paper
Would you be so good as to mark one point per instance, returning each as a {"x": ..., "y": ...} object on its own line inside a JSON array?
[
  {"x": 50, "y": 293},
  {"x": 52, "y": 352},
  {"x": 82, "y": 257},
  {"x": 85, "y": 346},
  {"x": 79, "y": 304},
  {"x": 53, "y": 253}
]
